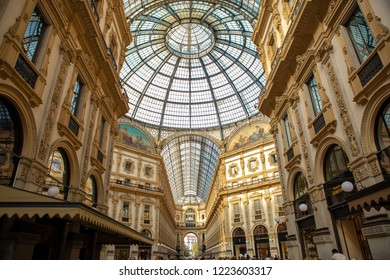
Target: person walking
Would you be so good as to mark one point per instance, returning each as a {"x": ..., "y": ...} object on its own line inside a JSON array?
[{"x": 337, "y": 256}]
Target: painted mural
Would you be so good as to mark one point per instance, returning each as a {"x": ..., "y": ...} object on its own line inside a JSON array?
[
  {"x": 134, "y": 137},
  {"x": 249, "y": 134}
]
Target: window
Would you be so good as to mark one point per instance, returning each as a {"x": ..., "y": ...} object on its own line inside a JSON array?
[
  {"x": 127, "y": 182},
  {"x": 286, "y": 123},
  {"x": 33, "y": 35},
  {"x": 59, "y": 172},
  {"x": 314, "y": 95},
  {"x": 233, "y": 170},
  {"x": 257, "y": 209},
  {"x": 360, "y": 34},
  {"x": 101, "y": 132},
  {"x": 190, "y": 218},
  {"x": 279, "y": 205},
  {"x": 91, "y": 192},
  {"x": 272, "y": 46},
  {"x": 336, "y": 162},
  {"x": 146, "y": 232},
  {"x": 300, "y": 186},
  {"x": 148, "y": 171},
  {"x": 383, "y": 127},
  {"x": 76, "y": 96},
  {"x": 146, "y": 214},
  {"x": 125, "y": 211},
  {"x": 274, "y": 158},
  {"x": 252, "y": 165},
  {"x": 236, "y": 210},
  {"x": 128, "y": 165}
]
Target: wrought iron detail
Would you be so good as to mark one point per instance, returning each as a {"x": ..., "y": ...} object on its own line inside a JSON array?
[
  {"x": 370, "y": 69},
  {"x": 26, "y": 71},
  {"x": 73, "y": 126},
  {"x": 290, "y": 154},
  {"x": 319, "y": 123},
  {"x": 99, "y": 157}
]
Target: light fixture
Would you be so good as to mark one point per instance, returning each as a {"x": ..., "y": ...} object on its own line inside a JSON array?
[
  {"x": 347, "y": 186},
  {"x": 53, "y": 191},
  {"x": 303, "y": 207},
  {"x": 277, "y": 219}
]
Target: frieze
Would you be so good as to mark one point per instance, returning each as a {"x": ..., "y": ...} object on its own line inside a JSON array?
[{"x": 348, "y": 128}]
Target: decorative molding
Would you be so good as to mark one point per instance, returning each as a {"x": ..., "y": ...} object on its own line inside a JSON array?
[
  {"x": 346, "y": 120},
  {"x": 50, "y": 120},
  {"x": 304, "y": 147}
]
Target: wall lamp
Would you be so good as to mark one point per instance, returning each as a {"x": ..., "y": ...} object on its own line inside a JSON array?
[
  {"x": 303, "y": 207},
  {"x": 347, "y": 186},
  {"x": 53, "y": 191}
]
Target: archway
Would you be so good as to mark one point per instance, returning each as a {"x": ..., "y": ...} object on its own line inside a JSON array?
[
  {"x": 239, "y": 242},
  {"x": 191, "y": 248},
  {"x": 11, "y": 141},
  {"x": 262, "y": 248}
]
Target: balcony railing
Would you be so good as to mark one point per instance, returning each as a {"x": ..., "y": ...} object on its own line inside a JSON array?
[
  {"x": 136, "y": 186},
  {"x": 73, "y": 125},
  {"x": 251, "y": 183},
  {"x": 26, "y": 71},
  {"x": 319, "y": 123},
  {"x": 370, "y": 69},
  {"x": 290, "y": 154}
]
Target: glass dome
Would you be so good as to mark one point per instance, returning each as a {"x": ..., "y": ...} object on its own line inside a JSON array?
[{"x": 192, "y": 64}]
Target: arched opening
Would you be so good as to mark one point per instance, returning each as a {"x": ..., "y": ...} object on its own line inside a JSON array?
[
  {"x": 146, "y": 232},
  {"x": 59, "y": 172},
  {"x": 191, "y": 248},
  {"x": 11, "y": 141},
  {"x": 261, "y": 238},
  {"x": 348, "y": 225},
  {"x": 239, "y": 242},
  {"x": 382, "y": 138},
  {"x": 282, "y": 239},
  {"x": 91, "y": 192},
  {"x": 306, "y": 223}
]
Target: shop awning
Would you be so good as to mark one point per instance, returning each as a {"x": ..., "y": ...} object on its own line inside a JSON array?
[
  {"x": 18, "y": 203},
  {"x": 376, "y": 196}
]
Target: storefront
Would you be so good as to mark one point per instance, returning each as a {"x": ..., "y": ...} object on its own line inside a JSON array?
[{"x": 261, "y": 238}]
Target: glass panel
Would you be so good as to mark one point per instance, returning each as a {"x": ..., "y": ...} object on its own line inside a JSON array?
[
  {"x": 76, "y": 97},
  {"x": 336, "y": 162},
  {"x": 190, "y": 61},
  {"x": 315, "y": 95},
  {"x": 33, "y": 35},
  {"x": 300, "y": 186},
  {"x": 288, "y": 132},
  {"x": 361, "y": 35}
]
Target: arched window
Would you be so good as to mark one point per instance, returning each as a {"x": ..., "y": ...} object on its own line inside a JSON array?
[
  {"x": 11, "y": 140},
  {"x": 146, "y": 232},
  {"x": 382, "y": 137},
  {"x": 301, "y": 196},
  {"x": 336, "y": 163},
  {"x": 91, "y": 192},
  {"x": 59, "y": 172},
  {"x": 300, "y": 186},
  {"x": 190, "y": 218}
]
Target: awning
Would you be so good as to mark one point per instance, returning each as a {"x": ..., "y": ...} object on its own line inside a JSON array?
[
  {"x": 376, "y": 196},
  {"x": 18, "y": 203}
]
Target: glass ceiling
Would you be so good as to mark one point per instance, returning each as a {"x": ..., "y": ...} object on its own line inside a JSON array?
[
  {"x": 190, "y": 161},
  {"x": 192, "y": 64}
]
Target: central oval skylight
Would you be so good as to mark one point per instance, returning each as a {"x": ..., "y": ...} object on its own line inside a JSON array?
[
  {"x": 192, "y": 65},
  {"x": 190, "y": 40}
]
